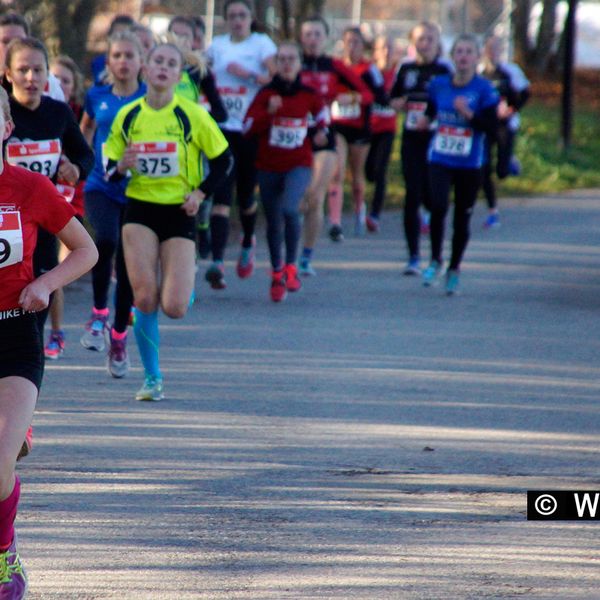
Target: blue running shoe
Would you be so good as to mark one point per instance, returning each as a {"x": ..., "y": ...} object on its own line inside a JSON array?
[
  {"x": 152, "y": 390},
  {"x": 452, "y": 282},
  {"x": 431, "y": 273},
  {"x": 413, "y": 267},
  {"x": 492, "y": 221},
  {"x": 305, "y": 268}
]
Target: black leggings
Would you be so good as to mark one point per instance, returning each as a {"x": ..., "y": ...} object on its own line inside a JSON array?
[
  {"x": 377, "y": 165},
  {"x": 504, "y": 141},
  {"x": 466, "y": 184},
  {"x": 415, "y": 170}
]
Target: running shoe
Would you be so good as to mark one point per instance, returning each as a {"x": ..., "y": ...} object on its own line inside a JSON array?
[
  {"x": 372, "y": 223},
  {"x": 306, "y": 269},
  {"x": 55, "y": 346},
  {"x": 152, "y": 390},
  {"x": 492, "y": 221},
  {"x": 13, "y": 579},
  {"x": 96, "y": 330},
  {"x": 292, "y": 282},
  {"x": 215, "y": 275},
  {"x": 27, "y": 444},
  {"x": 245, "y": 265},
  {"x": 360, "y": 227},
  {"x": 514, "y": 167},
  {"x": 432, "y": 273},
  {"x": 118, "y": 360},
  {"x": 278, "y": 287},
  {"x": 336, "y": 233},
  {"x": 203, "y": 240},
  {"x": 413, "y": 266},
  {"x": 452, "y": 282}
]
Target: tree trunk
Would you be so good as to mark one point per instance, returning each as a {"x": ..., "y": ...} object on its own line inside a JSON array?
[
  {"x": 520, "y": 21},
  {"x": 546, "y": 36}
]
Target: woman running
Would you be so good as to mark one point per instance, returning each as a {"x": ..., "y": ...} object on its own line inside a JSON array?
[
  {"x": 105, "y": 201},
  {"x": 29, "y": 201},
  {"x": 159, "y": 139},
  {"x": 464, "y": 107},
  {"x": 46, "y": 138},
  {"x": 279, "y": 116},
  {"x": 409, "y": 95},
  {"x": 513, "y": 87},
  {"x": 353, "y": 134},
  {"x": 384, "y": 123},
  {"x": 242, "y": 62},
  {"x": 324, "y": 75}
]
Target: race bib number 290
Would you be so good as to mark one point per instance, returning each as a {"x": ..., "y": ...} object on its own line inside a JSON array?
[
  {"x": 11, "y": 239},
  {"x": 157, "y": 159}
]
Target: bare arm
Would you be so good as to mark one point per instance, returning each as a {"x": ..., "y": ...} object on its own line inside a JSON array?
[
  {"x": 82, "y": 258},
  {"x": 88, "y": 128}
]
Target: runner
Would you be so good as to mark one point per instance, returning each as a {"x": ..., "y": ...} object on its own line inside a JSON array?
[
  {"x": 159, "y": 139},
  {"x": 279, "y": 117},
  {"x": 98, "y": 66},
  {"x": 353, "y": 135},
  {"x": 242, "y": 62},
  {"x": 513, "y": 87},
  {"x": 105, "y": 201},
  {"x": 409, "y": 95},
  {"x": 383, "y": 131},
  {"x": 323, "y": 74},
  {"x": 46, "y": 139},
  {"x": 28, "y": 201},
  {"x": 464, "y": 105}
]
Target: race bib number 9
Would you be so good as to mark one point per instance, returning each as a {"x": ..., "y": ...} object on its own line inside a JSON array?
[
  {"x": 453, "y": 141},
  {"x": 414, "y": 111},
  {"x": 157, "y": 159},
  {"x": 345, "y": 111},
  {"x": 11, "y": 239},
  {"x": 235, "y": 101},
  {"x": 288, "y": 133},
  {"x": 41, "y": 157}
]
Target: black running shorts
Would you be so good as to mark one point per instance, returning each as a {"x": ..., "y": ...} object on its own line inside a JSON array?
[{"x": 166, "y": 220}]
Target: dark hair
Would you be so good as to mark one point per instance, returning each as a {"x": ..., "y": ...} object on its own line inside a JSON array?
[
  {"x": 29, "y": 43},
  {"x": 120, "y": 20},
  {"x": 355, "y": 31},
  {"x": 68, "y": 63},
  {"x": 12, "y": 18},
  {"x": 199, "y": 24},
  {"x": 316, "y": 18},
  {"x": 246, "y": 3},
  {"x": 181, "y": 20}
]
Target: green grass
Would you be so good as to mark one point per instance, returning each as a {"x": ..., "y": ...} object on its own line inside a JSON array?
[{"x": 546, "y": 167}]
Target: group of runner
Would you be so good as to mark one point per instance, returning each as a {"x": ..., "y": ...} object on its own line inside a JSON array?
[{"x": 166, "y": 135}]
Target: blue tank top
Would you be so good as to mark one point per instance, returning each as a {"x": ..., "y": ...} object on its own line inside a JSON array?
[
  {"x": 102, "y": 106},
  {"x": 456, "y": 143}
]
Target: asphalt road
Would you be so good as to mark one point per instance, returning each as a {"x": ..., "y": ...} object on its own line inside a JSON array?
[{"x": 368, "y": 438}]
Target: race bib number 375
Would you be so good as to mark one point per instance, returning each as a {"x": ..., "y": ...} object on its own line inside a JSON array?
[
  {"x": 157, "y": 159},
  {"x": 11, "y": 239}
]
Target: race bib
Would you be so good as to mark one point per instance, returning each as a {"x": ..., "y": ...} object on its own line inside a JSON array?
[
  {"x": 66, "y": 191},
  {"x": 345, "y": 111},
  {"x": 453, "y": 141},
  {"x": 41, "y": 157},
  {"x": 288, "y": 133},
  {"x": 235, "y": 101},
  {"x": 384, "y": 112},
  {"x": 11, "y": 239},
  {"x": 414, "y": 112},
  {"x": 157, "y": 159}
]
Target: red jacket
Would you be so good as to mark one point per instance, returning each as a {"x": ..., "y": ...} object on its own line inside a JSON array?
[{"x": 284, "y": 138}]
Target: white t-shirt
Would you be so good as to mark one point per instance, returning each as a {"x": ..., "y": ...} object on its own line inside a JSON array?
[
  {"x": 237, "y": 93},
  {"x": 53, "y": 89}
]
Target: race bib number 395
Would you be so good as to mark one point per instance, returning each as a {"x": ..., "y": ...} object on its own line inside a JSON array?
[
  {"x": 288, "y": 133},
  {"x": 41, "y": 157},
  {"x": 453, "y": 141},
  {"x": 157, "y": 159},
  {"x": 11, "y": 239}
]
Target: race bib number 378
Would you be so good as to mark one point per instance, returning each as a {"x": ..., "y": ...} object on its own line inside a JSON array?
[
  {"x": 11, "y": 239},
  {"x": 157, "y": 159},
  {"x": 453, "y": 141}
]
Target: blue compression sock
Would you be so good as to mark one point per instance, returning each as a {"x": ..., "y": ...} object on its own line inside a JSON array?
[{"x": 145, "y": 328}]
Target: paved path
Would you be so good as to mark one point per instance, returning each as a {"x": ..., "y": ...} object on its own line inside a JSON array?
[{"x": 368, "y": 438}]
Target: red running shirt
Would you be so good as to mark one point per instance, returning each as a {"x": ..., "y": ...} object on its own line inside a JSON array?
[{"x": 27, "y": 200}]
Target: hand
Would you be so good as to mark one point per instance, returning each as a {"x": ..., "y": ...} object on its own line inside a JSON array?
[
  {"x": 236, "y": 69},
  {"x": 398, "y": 104},
  {"x": 34, "y": 296},
  {"x": 67, "y": 171},
  {"x": 275, "y": 103},
  {"x": 461, "y": 106},
  {"x": 320, "y": 138},
  {"x": 422, "y": 123},
  {"x": 128, "y": 160},
  {"x": 504, "y": 111},
  {"x": 192, "y": 203}
]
